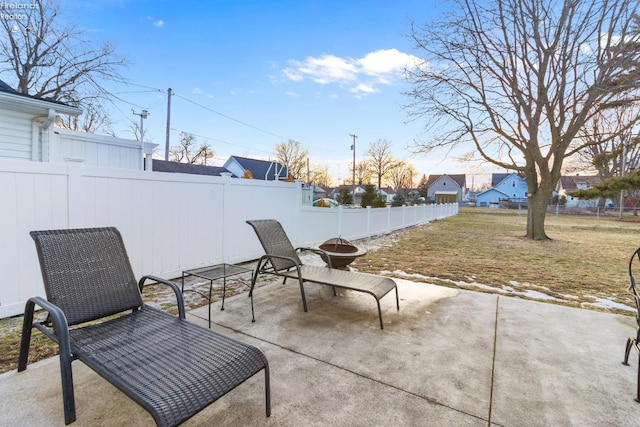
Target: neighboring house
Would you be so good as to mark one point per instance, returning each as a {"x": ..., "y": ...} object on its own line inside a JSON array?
[
  {"x": 387, "y": 194},
  {"x": 446, "y": 188},
  {"x": 508, "y": 188},
  {"x": 318, "y": 192},
  {"x": 577, "y": 182},
  {"x": 358, "y": 196},
  {"x": 513, "y": 185},
  {"x": 27, "y": 125},
  {"x": 175, "y": 167},
  {"x": 28, "y": 133},
  {"x": 491, "y": 198},
  {"x": 260, "y": 169}
]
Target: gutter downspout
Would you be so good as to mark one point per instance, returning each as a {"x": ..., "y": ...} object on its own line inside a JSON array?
[
  {"x": 40, "y": 146},
  {"x": 50, "y": 118}
]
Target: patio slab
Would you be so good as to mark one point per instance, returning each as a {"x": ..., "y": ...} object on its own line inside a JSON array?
[{"x": 448, "y": 357}]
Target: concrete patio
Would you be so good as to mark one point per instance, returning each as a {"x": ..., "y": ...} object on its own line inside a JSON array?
[{"x": 447, "y": 358}]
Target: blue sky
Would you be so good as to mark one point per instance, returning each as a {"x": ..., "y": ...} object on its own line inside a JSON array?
[{"x": 251, "y": 74}]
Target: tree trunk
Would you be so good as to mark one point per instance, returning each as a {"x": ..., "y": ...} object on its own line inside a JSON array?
[{"x": 536, "y": 215}]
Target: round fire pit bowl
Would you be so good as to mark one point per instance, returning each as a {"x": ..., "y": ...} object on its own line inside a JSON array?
[{"x": 340, "y": 251}]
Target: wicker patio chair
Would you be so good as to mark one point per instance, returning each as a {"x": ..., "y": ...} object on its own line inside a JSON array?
[
  {"x": 171, "y": 367},
  {"x": 634, "y": 341},
  {"x": 282, "y": 260}
]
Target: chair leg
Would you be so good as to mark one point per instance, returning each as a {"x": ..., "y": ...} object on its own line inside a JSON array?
[
  {"x": 267, "y": 389},
  {"x": 253, "y": 316},
  {"x": 627, "y": 350},
  {"x": 379, "y": 313},
  {"x": 304, "y": 299},
  {"x": 637, "y": 399},
  {"x": 25, "y": 340}
]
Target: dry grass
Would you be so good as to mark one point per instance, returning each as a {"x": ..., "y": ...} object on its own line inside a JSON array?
[{"x": 586, "y": 258}]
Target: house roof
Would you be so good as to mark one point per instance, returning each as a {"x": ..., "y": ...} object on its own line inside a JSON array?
[
  {"x": 59, "y": 106},
  {"x": 175, "y": 167},
  {"x": 492, "y": 190},
  {"x": 570, "y": 183},
  {"x": 460, "y": 179},
  {"x": 261, "y": 169},
  {"x": 497, "y": 178}
]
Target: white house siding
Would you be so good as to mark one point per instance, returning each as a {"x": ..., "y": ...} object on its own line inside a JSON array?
[{"x": 15, "y": 135}]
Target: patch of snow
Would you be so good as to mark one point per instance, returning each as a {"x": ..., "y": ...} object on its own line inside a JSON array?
[
  {"x": 539, "y": 295},
  {"x": 505, "y": 290},
  {"x": 607, "y": 303}
]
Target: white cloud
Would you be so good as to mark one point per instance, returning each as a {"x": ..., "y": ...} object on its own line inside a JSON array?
[
  {"x": 292, "y": 75},
  {"x": 362, "y": 89},
  {"x": 199, "y": 91},
  {"x": 389, "y": 61},
  {"x": 159, "y": 23},
  {"x": 362, "y": 76},
  {"x": 292, "y": 94}
]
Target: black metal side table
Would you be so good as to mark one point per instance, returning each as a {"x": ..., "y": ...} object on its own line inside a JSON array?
[{"x": 216, "y": 272}]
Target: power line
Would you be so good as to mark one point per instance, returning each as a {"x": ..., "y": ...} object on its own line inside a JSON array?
[
  {"x": 231, "y": 118},
  {"x": 243, "y": 123}
]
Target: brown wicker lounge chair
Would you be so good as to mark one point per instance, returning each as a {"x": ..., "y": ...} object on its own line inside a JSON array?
[
  {"x": 171, "y": 367},
  {"x": 282, "y": 260}
]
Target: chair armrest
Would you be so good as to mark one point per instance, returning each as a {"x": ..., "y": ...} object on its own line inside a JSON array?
[
  {"x": 60, "y": 335},
  {"x": 279, "y": 256},
  {"x": 173, "y": 286},
  {"x": 318, "y": 252},
  {"x": 60, "y": 332}
]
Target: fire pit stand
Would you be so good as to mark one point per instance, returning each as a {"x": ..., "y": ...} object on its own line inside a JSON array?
[{"x": 341, "y": 252}]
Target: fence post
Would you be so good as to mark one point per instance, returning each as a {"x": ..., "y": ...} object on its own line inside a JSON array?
[{"x": 368, "y": 220}]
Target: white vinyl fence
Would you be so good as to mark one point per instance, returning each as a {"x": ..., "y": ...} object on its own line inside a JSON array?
[{"x": 169, "y": 222}]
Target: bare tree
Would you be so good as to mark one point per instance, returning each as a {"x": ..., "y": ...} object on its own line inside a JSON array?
[
  {"x": 320, "y": 176},
  {"x": 381, "y": 159},
  {"x": 516, "y": 81},
  {"x": 92, "y": 120},
  {"x": 363, "y": 173},
  {"x": 612, "y": 142},
  {"x": 401, "y": 176},
  {"x": 291, "y": 155},
  {"x": 189, "y": 152},
  {"x": 47, "y": 59}
]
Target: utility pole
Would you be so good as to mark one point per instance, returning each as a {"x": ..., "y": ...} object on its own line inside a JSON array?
[
  {"x": 143, "y": 115},
  {"x": 353, "y": 147},
  {"x": 166, "y": 145}
]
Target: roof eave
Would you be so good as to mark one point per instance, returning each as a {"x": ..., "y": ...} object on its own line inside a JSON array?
[{"x": 38, "y": 106}]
